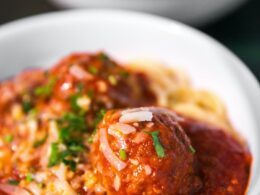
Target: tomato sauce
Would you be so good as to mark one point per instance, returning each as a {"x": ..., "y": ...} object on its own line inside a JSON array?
[{"x": 223, "y": 162}]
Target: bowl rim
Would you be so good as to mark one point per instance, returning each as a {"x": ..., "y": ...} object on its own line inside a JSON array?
[{"x": 166, "y": 24}]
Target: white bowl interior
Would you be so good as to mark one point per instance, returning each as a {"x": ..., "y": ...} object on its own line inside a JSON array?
[{"x": 42, "y": 40}]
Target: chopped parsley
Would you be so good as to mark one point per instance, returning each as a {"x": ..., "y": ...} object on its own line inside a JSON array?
[
  {"x": 27, "y": 106},
  {"x": 55, "y": 156},
  {"x": 93, "y": 70},
  {"x": 73, "y": 122},
  {"x": 29, "y": 177},
  {"x": 64, "y": 156},
  {"x": 102, "y": 56},
  {"x": 124, "y": 74},
  {"x": 71, "y": 136},
  {"x": 40, "y": 142},
  {"x": 33, "y": 112},
  {"x": 90, "y": 94},
  {"x": 71, "y": 128},
  {"x": 70, "y": 163},
  {"x": 100, "y": 115},
  {"x": 157, "y": 145},
  {"x": 76, "y": 148},
  {"x": 46, "y": 90},
  {"x": 80, "y": 87},
  {"x": 8, "y": 138},
  {"x": 91, "y": 137},
  {"x": 122, "y": 154},
  {"x": 13, "y": 182},
  {"x": 112, "y": 80},
  {"x": 73, "y": 102},
  {"x": 192, "y": 150}
]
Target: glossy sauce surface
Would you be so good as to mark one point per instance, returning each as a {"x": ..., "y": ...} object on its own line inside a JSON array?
[{"x": 223, "y": 162}]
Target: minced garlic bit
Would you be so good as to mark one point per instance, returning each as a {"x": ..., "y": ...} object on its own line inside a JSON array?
[
  {"x": 101, "y": 86},
  {"x": 117, "y": 183},
  {"x": 89, "y": 179},
  {"x": 134, "y": 162},
  {"x": 147, "y": 169},
  {"x": 112, "y": 80},
  {"x": 136, "y": 124},
  {"x": 84, "y": 102},
  {"x": 17, "y": 112},
  {"x": 149, "y": 125}
]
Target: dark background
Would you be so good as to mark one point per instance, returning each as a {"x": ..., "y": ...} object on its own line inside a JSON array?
[{"x": 239, "y": 31}]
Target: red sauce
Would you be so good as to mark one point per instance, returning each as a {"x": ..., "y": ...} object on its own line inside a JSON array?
[{"x": 223, "y": 162}]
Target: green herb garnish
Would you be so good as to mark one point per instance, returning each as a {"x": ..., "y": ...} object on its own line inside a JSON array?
[
  {"x": 70, "y": 163},
  {"x": 73, "y": 102},
  {"x": 8, "y": 138},
  {"x": 54, "y": 157},
  {"x": 73, "y": 121},
  {"x": 122, "y": 154},
  {"x": 71, "y": 135},
  {"x": 57, "y": 157},
  {"x": 46, "y": 90},
  {"x": 192, "y": 150},
  {"x": 90, "y": 94},
  {"x": 27, "y": 106},
  {"x": 80, "y": 87},
  {"x": 93, "y": 70},
  {"x": 33, "y": 112},
  {"x": 100, "y": 115},
  {"x": 112, "y": 79},
  {"x": 13, "y": 182},
  {"x": 124, "y": 74},
  {"x": 103, "y": 57},
  {"x": 91, "y": 137},
  {"x": 40, "y": 142},
  {"x": 29, "y": 177},
  {"x": 157, "y": 145},
  {"x": 72, "y": 127},
  {"x": 76, "y": 148}
]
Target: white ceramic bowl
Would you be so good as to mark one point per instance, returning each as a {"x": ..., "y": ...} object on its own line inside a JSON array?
[
  {"x": 195, "y": 12},
  {"x": 42, "y": 40}
]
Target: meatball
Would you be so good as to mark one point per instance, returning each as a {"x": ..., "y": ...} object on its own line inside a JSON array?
[
  {"x": 112, "y": 85},
  {"x": 94, "y": 82},
  {"x": 144, "y": 151}
]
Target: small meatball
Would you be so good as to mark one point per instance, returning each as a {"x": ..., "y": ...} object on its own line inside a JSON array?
[
  {"x": 144, "y": 151},
  {"x": 94, "y": 82}
]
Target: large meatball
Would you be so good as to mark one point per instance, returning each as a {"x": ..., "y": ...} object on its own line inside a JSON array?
[{"x": 144, "y": 151}]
